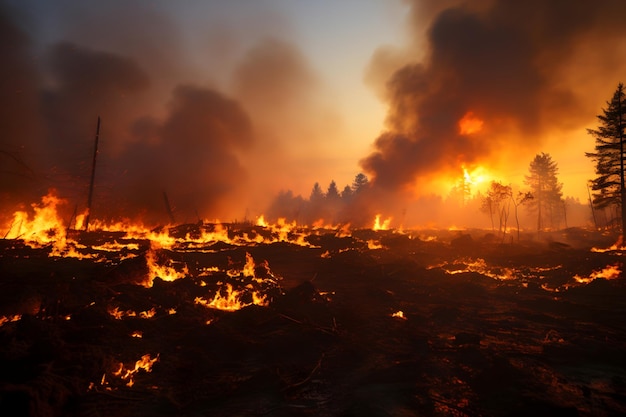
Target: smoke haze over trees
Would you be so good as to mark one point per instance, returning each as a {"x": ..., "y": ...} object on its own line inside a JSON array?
[
  {"x": 506, "y": 62},
  {"x": 222, "y": 126}
]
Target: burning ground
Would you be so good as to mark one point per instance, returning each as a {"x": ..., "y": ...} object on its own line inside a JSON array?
[
  {"x": 278, "y": 319},
  {"x": 282, "y": 320}
]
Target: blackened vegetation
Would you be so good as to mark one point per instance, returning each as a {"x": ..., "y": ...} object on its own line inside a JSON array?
[{"x": 470, "y": 343}]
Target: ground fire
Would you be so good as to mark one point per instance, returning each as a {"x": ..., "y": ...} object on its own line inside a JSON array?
[{"x": 283, "y": 319}]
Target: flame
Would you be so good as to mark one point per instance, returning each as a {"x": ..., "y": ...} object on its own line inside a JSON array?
[
  {"x": 9, "y": 319},
  {"x": 610, "y": 272},
  {"x": 470, "y": 124},
  {"x": 478, "y": 265},
  {"x": 344, "y": 231},
  {"x": 118, "y": 314},
  {"x": 165, "y": 272},
  {"x": 372, "y": 244},
  {"x": 248, "y": 268},
  {"x": 231, "y": 301},
  {"x": 144, "y": 363},
  {"x": 399, "y": 315},
  {"x": 260, "y": 221},
  {"x": 476, "y": 176},
  {"x": 44, "y": 228},
  {"x": 378, "y": 226}
]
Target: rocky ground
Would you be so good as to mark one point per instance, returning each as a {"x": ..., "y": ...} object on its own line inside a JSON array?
[{"x": 365, "y": 324}]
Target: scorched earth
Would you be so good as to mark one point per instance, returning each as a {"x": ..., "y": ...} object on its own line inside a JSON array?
[{"x": 280, "y": 320}]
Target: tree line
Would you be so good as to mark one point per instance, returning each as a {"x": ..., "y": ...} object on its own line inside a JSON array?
[
  {"x": 331, "y": 205},
  {"x": 543, "y": 196}
]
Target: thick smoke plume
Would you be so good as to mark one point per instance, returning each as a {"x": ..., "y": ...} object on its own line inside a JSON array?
[
  {"x": 192, "y": 128},
  {"x": 521, "y": 67}
]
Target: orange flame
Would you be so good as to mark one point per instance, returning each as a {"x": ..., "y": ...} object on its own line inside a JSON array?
[
  {"x": 470, "y": 124},
  {"x": 231, "y": 301},
  {"x": 144, "y": 363},
  {"x": 165, "y": 272},
  {"x": 381, "y": 226},
  {"x": 610, "y": 272}
]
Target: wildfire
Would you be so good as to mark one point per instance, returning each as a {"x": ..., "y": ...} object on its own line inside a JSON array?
[
  {"x": 260, "y": 221},
  {"x": 231, "y": 300},
  {"x": 372, "y": 244},
  {"x": 117, "y": 314},
  {"x": 165, "y": 272},
  {"x": 127, "y": 374},
  {"x": 381, "y": 226},
  {"x": 610, "y": 272},
  {"x": 476, "y": 176},
  {"x": 399, "y": 315},
  {"x": 470, "y": 124},
  {"x": 9, "y": 319},
  {"x": 478, "y": 265},
  {"x": 44, "y": 228}
]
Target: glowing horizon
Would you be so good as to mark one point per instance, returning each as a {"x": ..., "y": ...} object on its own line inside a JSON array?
[{"x": 224, "y": 106}]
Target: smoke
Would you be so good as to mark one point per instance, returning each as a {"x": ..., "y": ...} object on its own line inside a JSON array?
[
  {"x": 515, "y": 65},
  {"x": 192, "y": 156},
  {"x": 87, "y": 84},
  {"x": 213, "y": 132},
  {"x": 19, "y": 108},
  {"x": 224, "y": 111},
  {"x": 283, "y": 95}
]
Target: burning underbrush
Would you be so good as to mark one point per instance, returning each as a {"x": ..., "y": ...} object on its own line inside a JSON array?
[{"x": 282, "y": 320}]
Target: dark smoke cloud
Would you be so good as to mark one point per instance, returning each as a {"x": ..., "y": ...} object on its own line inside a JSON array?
[
  {"x": 192, "y": 156},
  {"x": 171, "y": 122},
  {"x": 507, "y": 62},
  {"x": 88, "y": 84},
  {"x": 121, "y": 63},
  {"x": 19, "y": 114}
]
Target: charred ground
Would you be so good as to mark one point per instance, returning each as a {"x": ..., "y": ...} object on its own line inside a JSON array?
[{"x": 486, "y": 328}]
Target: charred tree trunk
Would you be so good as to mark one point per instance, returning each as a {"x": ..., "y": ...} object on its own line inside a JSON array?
[
  {"x": 622, "y": 188},
  {"x": 168, "y": 207},
  {"x": 93, "y": 176},
  {"x": 593, "y": 213}
]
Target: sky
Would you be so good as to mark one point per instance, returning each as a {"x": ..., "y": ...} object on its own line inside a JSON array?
[{"x": 222, "y": 105}]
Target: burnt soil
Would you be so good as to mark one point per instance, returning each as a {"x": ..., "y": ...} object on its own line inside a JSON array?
[{"x": 517, "y": 336}]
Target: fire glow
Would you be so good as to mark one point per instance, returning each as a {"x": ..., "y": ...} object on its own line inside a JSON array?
[
  {"x": 128, "y": 373},
  {"x": 610, "y": 272},
  {"x": 470, "y": 124}
]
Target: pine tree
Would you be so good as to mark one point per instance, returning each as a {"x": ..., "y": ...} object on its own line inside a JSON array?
[
  {"x": 360, "y": 182},
  {"x": 608, "y": 186},
  {"x": 545, "y": 189},
  {"x": 347, "y": 193},
  {"x": 316, "y": 193},
  {"x": 333, "y": 192}
]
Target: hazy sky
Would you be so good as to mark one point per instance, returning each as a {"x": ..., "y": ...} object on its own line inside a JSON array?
[{"x": 243, "y": 99}]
